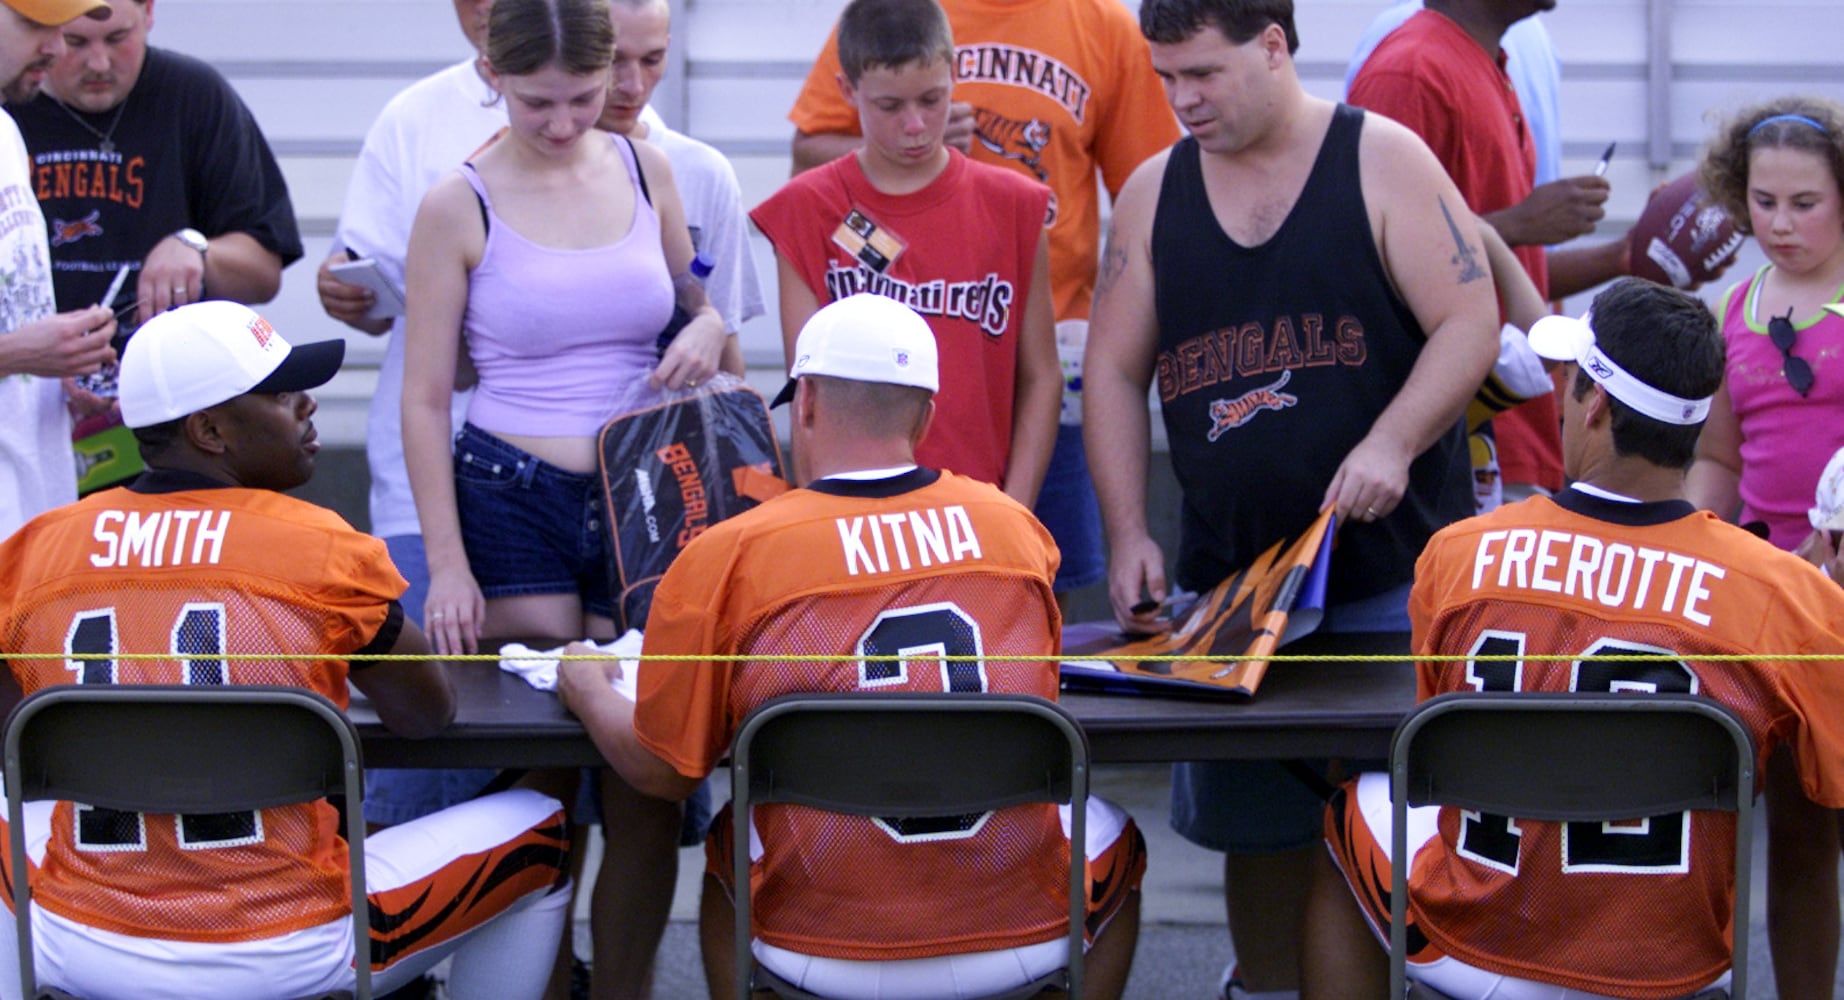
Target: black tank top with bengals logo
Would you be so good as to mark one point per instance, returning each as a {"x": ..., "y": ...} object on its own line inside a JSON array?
[{"x": 1273, "y": 363}]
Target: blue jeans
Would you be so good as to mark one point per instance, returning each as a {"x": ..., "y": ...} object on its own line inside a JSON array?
[
  {"x": 394, "y": 796},
  {"x": 1066, "y": 505},
  {"x": 1258, "y": 806}
]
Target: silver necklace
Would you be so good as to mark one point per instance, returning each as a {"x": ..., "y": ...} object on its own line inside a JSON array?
[{"x": 105, "y": 140}]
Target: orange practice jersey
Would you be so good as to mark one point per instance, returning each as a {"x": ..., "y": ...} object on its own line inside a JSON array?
[
  {"x": 1641, "y": 909},
  {"x": 1061, "y": 90},
  {"x": 925, "y": 565},
  {"x": 198, "y": 573}
]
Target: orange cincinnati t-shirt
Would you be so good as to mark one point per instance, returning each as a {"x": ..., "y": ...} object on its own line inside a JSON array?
[
  {"x": 197, "y": 573},
  {"x": 1061, "y": 89},
  {"x": 924, "y": 565},
  {"x": 1643, "y": 911}
]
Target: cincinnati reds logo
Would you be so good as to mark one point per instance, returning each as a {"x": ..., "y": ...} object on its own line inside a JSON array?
[{"x": 1229, "y": 414}]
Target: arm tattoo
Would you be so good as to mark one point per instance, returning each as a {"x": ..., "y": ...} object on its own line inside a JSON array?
[
  {"x": 1464, "y": 256},
  {"x": 1113, "y": 262}
]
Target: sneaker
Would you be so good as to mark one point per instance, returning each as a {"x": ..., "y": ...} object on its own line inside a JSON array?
[
  {"x": 422, "y": 988},
  {"x": 1231, "y": 988}
]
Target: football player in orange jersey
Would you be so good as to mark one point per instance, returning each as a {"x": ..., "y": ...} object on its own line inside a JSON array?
[
  {"x": 203, "y": 556},
  {"x": 1618, "y": 562},
  {"x": 873, "y": 554}
]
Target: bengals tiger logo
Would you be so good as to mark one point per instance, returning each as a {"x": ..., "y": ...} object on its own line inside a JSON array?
[
  {"x": 1015, "y": 140},
  {"x": 1228, "y": 414}
]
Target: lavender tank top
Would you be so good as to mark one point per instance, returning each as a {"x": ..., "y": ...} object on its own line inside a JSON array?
[{"x": 559, "y": 336}]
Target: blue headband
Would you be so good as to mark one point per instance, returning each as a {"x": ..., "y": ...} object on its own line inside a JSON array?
[{"x": 1802, "y": 119}]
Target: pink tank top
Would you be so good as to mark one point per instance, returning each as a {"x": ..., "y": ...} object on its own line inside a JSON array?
[
  {"x": 558, "y": 336},
  {"x": 1786, "y": 438}
]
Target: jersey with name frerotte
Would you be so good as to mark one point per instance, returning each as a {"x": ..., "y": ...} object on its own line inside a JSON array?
[
  {"x": 921, "y": 566},
  {"x": 195, "y": 573},
  {"x": 1645, "y": 906}
]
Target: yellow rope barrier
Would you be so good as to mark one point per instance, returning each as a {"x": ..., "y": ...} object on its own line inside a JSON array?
[{"x": 996, "y": 658}]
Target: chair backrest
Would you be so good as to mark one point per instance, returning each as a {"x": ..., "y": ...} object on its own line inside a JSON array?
[
  {"x": 874, "y": 754},
  {"x": 1546, "y": 756},
  {"x": 183, "y": 749}
]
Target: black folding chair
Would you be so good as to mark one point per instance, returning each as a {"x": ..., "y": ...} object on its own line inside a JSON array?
[
  {"x": 174, "y": 749},
  {"x": 1546, "y": 756},
  {"x": 909, "y": 755}
]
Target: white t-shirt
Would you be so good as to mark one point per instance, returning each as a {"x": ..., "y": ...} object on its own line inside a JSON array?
[
  {"x": 714, "y": 213},
  {"x": 427, "y": 130},
  {"x": 37, "y": 468}
]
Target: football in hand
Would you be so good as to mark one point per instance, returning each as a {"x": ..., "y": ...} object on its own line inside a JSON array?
[{"x": 1682, "y": 239}]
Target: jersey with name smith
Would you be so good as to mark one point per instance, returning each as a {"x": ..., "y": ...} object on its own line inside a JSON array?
[{"x": 192, "y": 574}]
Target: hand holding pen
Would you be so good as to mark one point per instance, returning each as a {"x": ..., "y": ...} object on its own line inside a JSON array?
[
  {"x": 89, "y": 390},
  {"x": 1556, "y": 212}
]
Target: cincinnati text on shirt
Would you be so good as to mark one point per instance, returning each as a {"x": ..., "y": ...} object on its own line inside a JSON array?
[
  {"x": 1611, "y": 574},
  {"x": 881, "y": 543}
]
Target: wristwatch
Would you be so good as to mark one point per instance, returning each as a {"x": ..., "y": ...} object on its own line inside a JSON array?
[{"x": 192, "y": 238}]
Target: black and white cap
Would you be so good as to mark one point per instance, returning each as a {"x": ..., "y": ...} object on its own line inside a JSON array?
[
  {"x": 1565, "y": 338},
  {"x": 865, "y": 338},
  {"x": 187, "y": 359}
]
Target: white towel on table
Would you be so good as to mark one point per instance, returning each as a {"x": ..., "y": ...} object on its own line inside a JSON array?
[{"x": 539, "y": 666}]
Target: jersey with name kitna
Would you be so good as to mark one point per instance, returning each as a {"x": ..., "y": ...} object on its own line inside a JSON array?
[{"x": 903, "y": 582}]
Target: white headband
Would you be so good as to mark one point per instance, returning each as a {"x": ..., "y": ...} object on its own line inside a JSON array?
[{"x": 1565, "y": 338}]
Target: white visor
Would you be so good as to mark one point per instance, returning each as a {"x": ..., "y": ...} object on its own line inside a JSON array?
[{"x": 1565, "y": 338}]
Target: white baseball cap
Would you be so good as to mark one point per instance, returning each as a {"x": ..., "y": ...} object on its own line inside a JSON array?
[
  {"x": 196, "y": 356},
  {"x": 865, "y": 338},
  {"x": 1828, "y": 514},
  {"x": 1565, "y": 338}
]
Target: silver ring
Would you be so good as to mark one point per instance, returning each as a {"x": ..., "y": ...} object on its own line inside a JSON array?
[
  {"x": 692, "y": 382},
  {"x": 178, "y": 292},
  {"x": 435, "y": 616},
  {"x": 1372, "y": 511}
]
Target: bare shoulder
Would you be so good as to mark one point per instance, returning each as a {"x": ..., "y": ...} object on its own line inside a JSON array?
[
  {"x": 1391, "y": 155},
  {"x": 1140, "y": 195},
  {"x": 1400, "y": 175},
  {"x": 450, "y": 202},
  {"x": 652, "y": 159}
]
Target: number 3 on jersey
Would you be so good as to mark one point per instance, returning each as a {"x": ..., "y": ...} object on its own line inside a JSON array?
[
  {"x": 927, "y": 636},
  {"x": 197, "y": 636},
  {"x": 924, "y": 638},
  {"x": 1656, "y": 845}
]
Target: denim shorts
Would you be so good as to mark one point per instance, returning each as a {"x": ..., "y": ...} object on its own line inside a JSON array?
[
  {"x": 1066, "y": 505},
  {"x": 530, "y": 527}
]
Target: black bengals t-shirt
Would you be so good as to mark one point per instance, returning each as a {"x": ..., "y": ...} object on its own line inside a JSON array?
[{"x": 187, "y": 153}]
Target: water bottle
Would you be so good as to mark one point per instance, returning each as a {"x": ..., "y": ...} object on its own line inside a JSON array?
[{"x": 701, "y": 267}]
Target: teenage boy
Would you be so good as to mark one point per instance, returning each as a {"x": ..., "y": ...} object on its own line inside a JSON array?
[{"x": 960, "y": 242}]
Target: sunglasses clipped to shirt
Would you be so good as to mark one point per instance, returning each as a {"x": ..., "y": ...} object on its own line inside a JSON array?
[{"x": 1798, "y": 371}]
